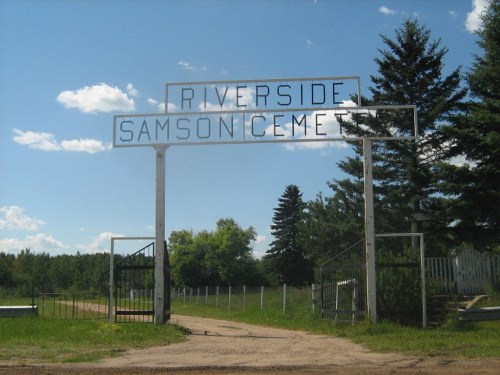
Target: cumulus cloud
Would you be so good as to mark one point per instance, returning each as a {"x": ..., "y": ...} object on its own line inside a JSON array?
[
  {"x": 473, "y": 22},
  {"x": 131, "y": 90},
  {"x": 48, "y": 142},
  {"x": 91, "y": 146},
  {"x": 100, "y": 243},
  {"x": 386, "y": 11},
  {"x": 229, "y": 95},
  {"x": 330, "y": 125},
  {"x": 36, "y": 140},
  {"x": 160, "y": 106},
  {"x": 99, "y": 98},
  {"x": 38, "y": 242},
  {"x": 13, "y": 217}
]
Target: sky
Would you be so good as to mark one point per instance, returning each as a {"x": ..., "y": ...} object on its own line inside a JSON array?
[{"x": 67, "y": 67}]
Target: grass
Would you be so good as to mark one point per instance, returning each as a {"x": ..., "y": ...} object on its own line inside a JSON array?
[
  {"x": 43, "y": 340},
  {"x": 46, "y": 339},
  {"x": 455, "y": 339}
]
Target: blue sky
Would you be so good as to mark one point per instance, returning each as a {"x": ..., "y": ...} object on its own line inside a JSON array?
[{"x": 66, "y": 67}]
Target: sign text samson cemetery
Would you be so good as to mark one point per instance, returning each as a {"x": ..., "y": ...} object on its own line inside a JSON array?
[
  {"x": 288, "y": 110},
  {"x": 243, "y": 112}
]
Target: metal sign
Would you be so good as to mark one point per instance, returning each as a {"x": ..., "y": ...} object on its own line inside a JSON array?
[
  {"x": 259, "y": 95},
  {"x": 222, "y": 127}
]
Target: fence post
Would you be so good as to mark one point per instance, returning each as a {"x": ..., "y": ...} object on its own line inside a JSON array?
[
  {"x": 284, "y": 298},
  {"x": 198, "y": 296},
  {"x": 244, "y": 296},
  {"x": 184, "y": 293},
  {"x": 206, "y": 295},
  {"x": 229, "y": 298},
  {"x": 261, "y": 297},
  {"x": 217, "y": 296},
  {"x": 313, "y": 298},
  {"x": 190, "y": 295}
]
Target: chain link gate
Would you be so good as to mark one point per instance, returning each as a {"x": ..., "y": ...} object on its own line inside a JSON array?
[
  {"x": 343, "y": 285},
  {"x": 134, "y": 286}
]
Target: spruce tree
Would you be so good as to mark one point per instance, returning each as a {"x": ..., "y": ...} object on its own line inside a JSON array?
[
  {"x": 474, "y": 187},
  {"x": 409, "y": 72},
  {"x": 286, "y": 254}
]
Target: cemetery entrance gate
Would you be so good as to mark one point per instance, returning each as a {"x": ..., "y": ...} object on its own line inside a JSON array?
[{"x": 255, "y": 111}]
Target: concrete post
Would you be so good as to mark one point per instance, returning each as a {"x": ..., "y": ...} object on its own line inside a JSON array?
[
  {"x": 371, "y": 283},
  {"x": 162, "y": 276}
]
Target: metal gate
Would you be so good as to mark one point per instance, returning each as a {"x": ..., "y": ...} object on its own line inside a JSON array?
[
  {"x": 134, "y": 286},
  {"x": 343, "y": 296}
]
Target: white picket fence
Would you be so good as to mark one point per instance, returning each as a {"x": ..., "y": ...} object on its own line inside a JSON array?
[{"x": 470, "y": 272}]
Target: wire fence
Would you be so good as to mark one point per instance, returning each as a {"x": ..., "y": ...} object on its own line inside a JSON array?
[{"x": 240, "y": 298}]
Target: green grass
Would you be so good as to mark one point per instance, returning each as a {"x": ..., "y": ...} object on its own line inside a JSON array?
[
  {"x": 455, "y": 339},
  {"x": 44, "y": 340},
  {"x": 41, "y": 340}
]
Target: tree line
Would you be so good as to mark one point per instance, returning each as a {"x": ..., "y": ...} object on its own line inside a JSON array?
[
  {"x": 417, "y": 185},
  {"x": 29, "y": 272}
]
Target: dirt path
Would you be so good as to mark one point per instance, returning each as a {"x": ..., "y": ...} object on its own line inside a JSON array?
[{"x": 223, "y": 347}]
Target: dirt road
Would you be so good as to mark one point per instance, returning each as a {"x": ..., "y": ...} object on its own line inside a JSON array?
[{"x": 223, "y": 347}]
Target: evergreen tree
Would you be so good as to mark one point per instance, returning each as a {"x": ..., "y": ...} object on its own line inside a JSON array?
[
  {"x": 475, "y": 203},
  {"x": 286, "y": 254},
  {"x": 409, "y": 72}
]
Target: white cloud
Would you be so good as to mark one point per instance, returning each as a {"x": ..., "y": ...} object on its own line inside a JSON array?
[
  {"x": 99, "y": 244},
  {"x": 386, "y": 11},
  {"x": 131, "y": 90},
  {"x": 15, "y": 218},
  {"x": 309, "y": 43},
  {"x": 39, "y": 242},
  {"x": 99, "y": 98},
  {"x": 160, "y": 106},
  {"x": 188, "y": 66},
  {"x": 331, "y": 126},
  {"x": 473, "y": 22},
  {"x": 260, "y": 238},
  {"x": 452, "y": 13},
  {"x": 172, "y": 107},
  {"x": 91, "y": 146},
  {"x": 460, "y": 161},
  {"x": 47, "y": 142},
  {"x": 36, "y": 140},
  {"x": 230, "y": 94},
  {"x": 185, "y": 65}
]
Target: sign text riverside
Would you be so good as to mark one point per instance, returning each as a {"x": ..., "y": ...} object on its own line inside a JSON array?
[{"x": 272, "y": 94}]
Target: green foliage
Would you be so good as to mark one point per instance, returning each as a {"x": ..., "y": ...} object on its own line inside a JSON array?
[
  {"x": 28, "y": 271},
  {"x": 222, "y": 257},
  {"x": 399, "y": 292},
  {"x": 410, "y": 71},
  {"x": 286, "y": 255},
  {"x": 473, "y": 188}
]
